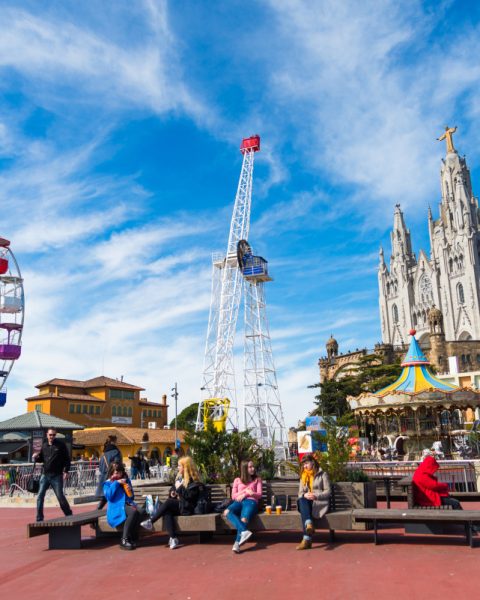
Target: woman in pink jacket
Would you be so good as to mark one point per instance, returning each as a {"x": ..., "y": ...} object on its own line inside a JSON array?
[{"x": 246, "y": 492}]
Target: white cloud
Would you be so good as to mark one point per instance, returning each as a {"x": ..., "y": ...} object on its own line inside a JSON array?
[{"x": 362, "y": 106}]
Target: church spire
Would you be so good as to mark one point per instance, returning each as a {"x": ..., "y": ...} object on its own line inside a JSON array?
[{"x": 400, "y": 236}]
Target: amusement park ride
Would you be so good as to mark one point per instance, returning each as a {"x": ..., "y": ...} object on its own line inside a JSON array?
[
  {"x": 11, "y": 314},
  {"x": 236, "y": 272}
]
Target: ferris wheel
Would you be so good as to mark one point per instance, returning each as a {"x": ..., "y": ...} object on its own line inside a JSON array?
[{"x": 12, "y": 309}]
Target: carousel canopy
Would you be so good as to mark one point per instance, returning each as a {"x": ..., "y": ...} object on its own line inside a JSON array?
[{"x": 416, "y": 375}]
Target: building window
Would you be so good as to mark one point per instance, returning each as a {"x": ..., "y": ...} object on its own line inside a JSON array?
[
  {"x": 85, "y": 409},
  {"x": 79, "y": 408},
  {"x": 460, "y": 294},
  {"x": 130, "y": 411},
  {"x": 125, "y": 411},
  {"x": 97, "y": 410},
  {"x": 114, "y": 411},
  {"x": 122, "y": 394},
  {"x": 38, "y": 407},
  {"x": 91, "y": 409},
  {"x": 71, "y": 408},
  {"x": 395, "y": 313}
]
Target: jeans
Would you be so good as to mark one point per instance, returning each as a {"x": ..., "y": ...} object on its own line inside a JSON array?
[
  {"x": 56, "y": 482},
  {"x": 453, "y": 502},
  {"x": 305, "y": 509},
  {"x": 131, "y": 523},
  {"x": 237, "y": 511},
  {"x": 168, "y": 509}
]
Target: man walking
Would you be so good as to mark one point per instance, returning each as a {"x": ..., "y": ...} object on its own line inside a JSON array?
[{"x": 56, "y": 464}]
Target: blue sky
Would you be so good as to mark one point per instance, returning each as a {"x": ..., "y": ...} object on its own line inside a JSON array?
[{"x": 119, "y": 131}]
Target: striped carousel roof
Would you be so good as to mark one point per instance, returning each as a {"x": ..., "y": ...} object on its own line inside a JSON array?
[{"x": 416, "y": 375}]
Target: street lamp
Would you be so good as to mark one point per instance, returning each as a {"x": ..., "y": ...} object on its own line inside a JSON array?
[{"x": 175, "y": 396}]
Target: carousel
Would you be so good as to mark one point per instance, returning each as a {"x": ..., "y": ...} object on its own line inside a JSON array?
[{"x": 418, "y": 411}]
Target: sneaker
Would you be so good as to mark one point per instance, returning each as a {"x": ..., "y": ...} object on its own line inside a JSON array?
[
  {"x": 174, "y": 543},
  {"x": 236, "y": 548},
  {"x": 148, "y": 525},
  {"x": 125, "y": 544},
  {"x": 244, "y": 536},
  {"x": 309, "y": 528}
]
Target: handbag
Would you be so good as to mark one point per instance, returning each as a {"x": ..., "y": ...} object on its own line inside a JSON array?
[
  {"x": 223, "y": 505},
  {"x": 33, "y": 484}
]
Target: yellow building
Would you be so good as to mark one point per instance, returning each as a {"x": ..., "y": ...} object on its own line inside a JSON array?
[
  {"x": 160, "y": 443},
  {"x": 98, "y": 402}
]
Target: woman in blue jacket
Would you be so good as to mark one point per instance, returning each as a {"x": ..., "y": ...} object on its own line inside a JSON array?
[
  {"x": 121, "y": 507},
  {"x": 111, "y": 454}
]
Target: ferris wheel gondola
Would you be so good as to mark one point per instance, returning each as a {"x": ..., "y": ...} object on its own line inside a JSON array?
[{"x": 12, "y": 310}]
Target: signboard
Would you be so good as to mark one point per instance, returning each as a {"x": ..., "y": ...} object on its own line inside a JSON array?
[
  {"x": 122, "y": 420},
  {"x": 313, "y": 423},
  {"x": 37, "y": 440},
  {"x": 308, "y": 443}
]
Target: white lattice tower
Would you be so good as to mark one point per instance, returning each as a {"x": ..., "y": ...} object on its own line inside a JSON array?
[
  {"x": 263, "y": 414},
  {"x": 218, "y": 369}
]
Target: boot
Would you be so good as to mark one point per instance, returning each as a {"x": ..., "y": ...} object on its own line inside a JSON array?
[
  {"x": 125, "y": 544},
  {"x": 304, "y": 544}
]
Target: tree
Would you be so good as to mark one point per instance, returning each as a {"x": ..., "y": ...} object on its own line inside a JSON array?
[
  {"x": 187, "y": 418},
  {"x": 218, "y": 454},
  {"x": 371, "y": 375}
]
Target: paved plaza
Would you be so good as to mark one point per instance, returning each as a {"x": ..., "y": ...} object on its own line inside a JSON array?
[{"x": 269, "y": 567}]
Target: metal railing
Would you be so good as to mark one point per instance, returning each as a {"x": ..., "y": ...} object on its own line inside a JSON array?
[
  {"x": 459, "y": 474},
  {"x": 81, "y": 480}
]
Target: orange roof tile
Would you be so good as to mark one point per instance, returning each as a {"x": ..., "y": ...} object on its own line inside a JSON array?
[{"x": 126, "y": 435}]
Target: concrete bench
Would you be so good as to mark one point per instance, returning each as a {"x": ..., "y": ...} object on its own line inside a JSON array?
[
  {"x": 64, "y": 532},
  {"x": 413, "y": 515},
  {"x": 207, "y": 525}
]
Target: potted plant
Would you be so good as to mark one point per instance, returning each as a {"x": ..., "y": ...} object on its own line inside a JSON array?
[{"x": 352, "y": 489}]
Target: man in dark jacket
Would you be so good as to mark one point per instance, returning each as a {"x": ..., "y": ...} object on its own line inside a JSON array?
[{"x": 56, "y": 464}]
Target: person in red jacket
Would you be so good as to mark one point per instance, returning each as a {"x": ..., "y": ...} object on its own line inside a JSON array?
[{"x": 427, "y": 490}]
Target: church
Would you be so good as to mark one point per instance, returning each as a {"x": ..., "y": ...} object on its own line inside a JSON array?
[{"x": 437, "y": 294}]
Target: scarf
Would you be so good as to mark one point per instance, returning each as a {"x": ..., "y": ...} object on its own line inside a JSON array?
[{"x": 307, "y": 478}]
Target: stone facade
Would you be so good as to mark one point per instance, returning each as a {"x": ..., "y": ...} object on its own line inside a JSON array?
[
  {"x": 467, "y": 353},
  {"x": 449, "y": 278}
]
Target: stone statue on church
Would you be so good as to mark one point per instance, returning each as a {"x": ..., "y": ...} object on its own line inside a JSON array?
[{"x": 449, "y": 131}]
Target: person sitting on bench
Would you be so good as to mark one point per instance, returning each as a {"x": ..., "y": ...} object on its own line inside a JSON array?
[
  {"x": 183, "y": 500},
  {"x": 427, "y": 490},
  {"x": 121, "y": 507},
  {"x": 313, "y": 497},
  {"x": 246, "y": 492}
]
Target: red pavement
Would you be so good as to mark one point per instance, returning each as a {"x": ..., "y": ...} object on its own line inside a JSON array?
[{"x": 410, "y": 567}]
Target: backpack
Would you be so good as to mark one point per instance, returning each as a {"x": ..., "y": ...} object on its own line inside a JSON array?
[{"x": 203, "y": 506}]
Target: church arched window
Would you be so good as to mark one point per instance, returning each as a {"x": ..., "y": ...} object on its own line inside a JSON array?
[
  {"x": 395, "y": 313},
  {"x": 415, "y": 321},
  {"x": 460, "y": 294},
  {"x": 388, "y": 289},
  {"x": 460, "y": 262},
  {"x": 450, "y": 265}
]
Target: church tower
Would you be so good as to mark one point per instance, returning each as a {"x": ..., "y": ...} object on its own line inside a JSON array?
[{"x": 449, "y": 278}]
